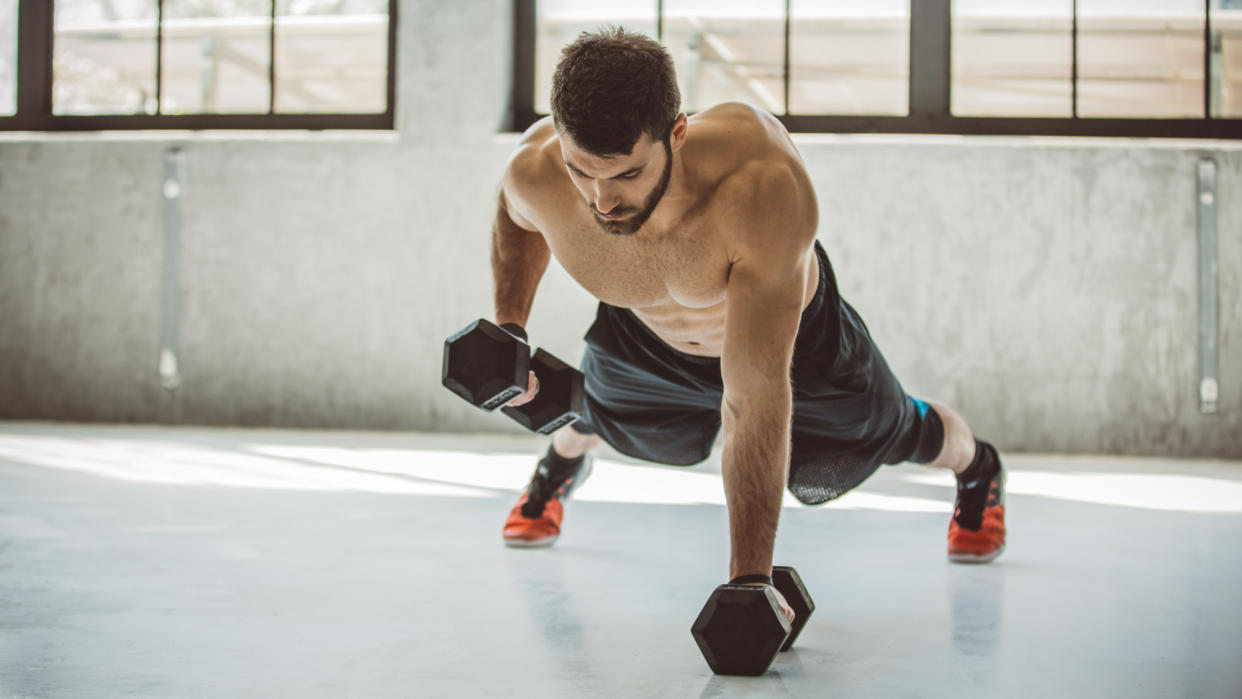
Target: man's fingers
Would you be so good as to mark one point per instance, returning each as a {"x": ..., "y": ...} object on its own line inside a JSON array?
[
  {"x": 531, "y": 390},
  {"x": 780, "y": 599}
]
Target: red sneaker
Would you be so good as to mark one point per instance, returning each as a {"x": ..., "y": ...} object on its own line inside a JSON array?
[
  {"x": 535, "y": 521},
  {"x": 977, "y": 530}
]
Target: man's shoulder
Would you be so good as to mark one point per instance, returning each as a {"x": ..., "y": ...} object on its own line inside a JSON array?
[
  {"x": 745, "y": 147},
  {"x": 532, "y": 165},
  {"x": 762, "y": 181},
  {"x": 536, "y": 152},
  {"x": 740, "y": 129}
]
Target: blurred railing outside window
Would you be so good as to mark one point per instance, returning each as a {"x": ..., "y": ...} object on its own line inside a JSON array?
[
  {"x": 213, "y": 57},
  {"x": 727, "y": 51},
  {"x": 331, "y": 56},
  {"x": 1012, "y": 58},
  {"x": 849, "y": 57},
  {"x": 104, "y": 57},
  {"x": 1019, "y": 64},
  {"x": 1140, "y": 58}
]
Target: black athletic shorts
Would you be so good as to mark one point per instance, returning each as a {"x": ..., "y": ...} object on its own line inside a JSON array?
[{"x": 850, "y": 414}]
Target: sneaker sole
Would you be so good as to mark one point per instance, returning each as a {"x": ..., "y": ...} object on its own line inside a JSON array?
[
  {"x": 970, "y": 558},
  {"x": 537, "y": 544}
]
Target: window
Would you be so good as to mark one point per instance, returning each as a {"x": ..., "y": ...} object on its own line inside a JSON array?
[
  {"x": 1145, "y": 68},
  {"x": 201, "y": 64},
  {"x": 850, "y": 57}
]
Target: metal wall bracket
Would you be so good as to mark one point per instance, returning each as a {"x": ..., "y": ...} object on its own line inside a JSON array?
[
  {"x": 169, "y": 367},
  {"x": 1209, "y": 386}
]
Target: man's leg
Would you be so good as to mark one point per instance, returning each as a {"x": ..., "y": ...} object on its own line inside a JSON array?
[
  {"x": 535, "y": 520},
  {"x": 959, "y": 442},
  {"x": 642, "y": 398},
  {"x": 571, "y": 444},
  {"x": 977, "y": 530}
]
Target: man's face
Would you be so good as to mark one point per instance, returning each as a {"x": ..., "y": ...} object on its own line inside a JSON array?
[{"x": 623, "y": 190}]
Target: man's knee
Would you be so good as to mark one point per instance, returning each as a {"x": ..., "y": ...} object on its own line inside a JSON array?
[
  {"x": 570, "y": 441},
  {"x": 930, "y": 438}
]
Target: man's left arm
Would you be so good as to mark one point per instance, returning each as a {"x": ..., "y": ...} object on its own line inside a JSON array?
[{"x": 763, "y": 303}]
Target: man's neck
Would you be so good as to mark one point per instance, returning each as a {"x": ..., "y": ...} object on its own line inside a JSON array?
[{"x": 678, "y": 199}]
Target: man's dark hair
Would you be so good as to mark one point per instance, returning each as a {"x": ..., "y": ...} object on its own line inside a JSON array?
[{"x": 611, "y": 87}]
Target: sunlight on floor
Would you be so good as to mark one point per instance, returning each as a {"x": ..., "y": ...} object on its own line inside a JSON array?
[
  {"x": 1169, "y": 492},
  {"x": 499, "y": 474}
]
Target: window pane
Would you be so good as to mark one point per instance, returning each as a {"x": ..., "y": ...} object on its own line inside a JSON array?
[
  {"x": 8, "y": 57},
  {"x": 1140, "y": 58},
  {"x": 216, "y": 57},
  {"x": 558, "y": 22},
  {"x": 1012, "y": 58},
  {"x": 103, "y": 57},
  {"x": 727, "y": 51},
  {"x": 849, "y": 57},
  {"x": 1227, "y": 58},
  {"x": 331, "y": 56}
]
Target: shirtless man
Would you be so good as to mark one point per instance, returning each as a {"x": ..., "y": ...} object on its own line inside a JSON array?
[{"x": 717, "y": 307}]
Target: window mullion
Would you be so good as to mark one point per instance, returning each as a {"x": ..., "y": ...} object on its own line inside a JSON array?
[
  {"x": 1207, "y": 59},
  {"x": 1074, "y": 62},
  {"x": 34, "y": 58},
  {"x": 930, "y": 28},
  {"x": 271, "y": 59},
  {"x": 785, "y": 71},
  {"x": 159, "y": 57},
  {"x": 523, "y": 96}
]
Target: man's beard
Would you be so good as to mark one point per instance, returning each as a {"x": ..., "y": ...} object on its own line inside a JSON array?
[{"x": 630, "y": 226}]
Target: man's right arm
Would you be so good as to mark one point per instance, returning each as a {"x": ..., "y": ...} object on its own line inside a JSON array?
[{"x": 519, "y": 258}]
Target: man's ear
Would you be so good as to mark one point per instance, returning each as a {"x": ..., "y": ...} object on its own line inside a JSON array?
[{"x": 678, "y": 136}]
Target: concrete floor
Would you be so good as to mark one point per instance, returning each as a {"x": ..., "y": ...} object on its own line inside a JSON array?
[{"x": 171, "y": 562}]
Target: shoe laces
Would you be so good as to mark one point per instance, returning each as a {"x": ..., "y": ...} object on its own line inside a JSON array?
[
  {"x": 973, "y": 499},
  {"x": 543, "y": 487}
]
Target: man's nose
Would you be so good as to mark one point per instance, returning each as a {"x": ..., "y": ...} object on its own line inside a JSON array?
[{"x": 606, "y": 199}]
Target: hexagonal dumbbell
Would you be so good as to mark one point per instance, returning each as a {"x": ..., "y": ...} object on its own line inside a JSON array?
[
  {"x": 741, "y": 628},
  {"x": 787, "y": 580},
  {"x": 489, "y": 367}
]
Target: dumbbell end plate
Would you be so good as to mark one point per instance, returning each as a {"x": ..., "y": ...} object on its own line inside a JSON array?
[
  {"x": 787, "y": 580},
  {"x": 740, "y": 630}
]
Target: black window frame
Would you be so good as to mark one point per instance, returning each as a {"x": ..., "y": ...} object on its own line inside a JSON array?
[
  {"x": 36, "y": 34},
  {"x": 930, "y": 85}
]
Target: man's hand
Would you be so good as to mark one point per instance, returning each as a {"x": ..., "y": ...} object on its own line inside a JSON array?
[
  {"x": 788, "y": 611},
  {"x": 531, "y": 392}
]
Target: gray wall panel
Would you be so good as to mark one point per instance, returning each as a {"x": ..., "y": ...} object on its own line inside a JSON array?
[{"x": 1047, "y": 288}]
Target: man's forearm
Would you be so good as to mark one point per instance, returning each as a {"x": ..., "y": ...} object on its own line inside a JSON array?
[
  {"x": 755, "y": 468},
  {"x": 519, "y": 259}
]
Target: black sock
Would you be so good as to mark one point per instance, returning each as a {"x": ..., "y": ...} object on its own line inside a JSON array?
[
  {"x": 982, "y": 468},
  {"x": 560, "y": 468},
  {"x": 550, "y": 475}
]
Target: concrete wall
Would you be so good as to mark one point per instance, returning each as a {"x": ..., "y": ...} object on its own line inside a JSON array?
[{"x": 1047, "y": 288}]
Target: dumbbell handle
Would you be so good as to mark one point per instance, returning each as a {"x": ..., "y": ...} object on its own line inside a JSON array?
[
  {"x": 516, "y": 330},
  {"x": 519, "y": 332}
]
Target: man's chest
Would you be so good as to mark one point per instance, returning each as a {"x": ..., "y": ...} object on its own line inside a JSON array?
[{"x": 687, "y": 268}]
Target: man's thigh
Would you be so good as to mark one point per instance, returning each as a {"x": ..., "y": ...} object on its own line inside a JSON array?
[
  {"x": 851, "y": 415},
  {"x": 645, "y": 399}
]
